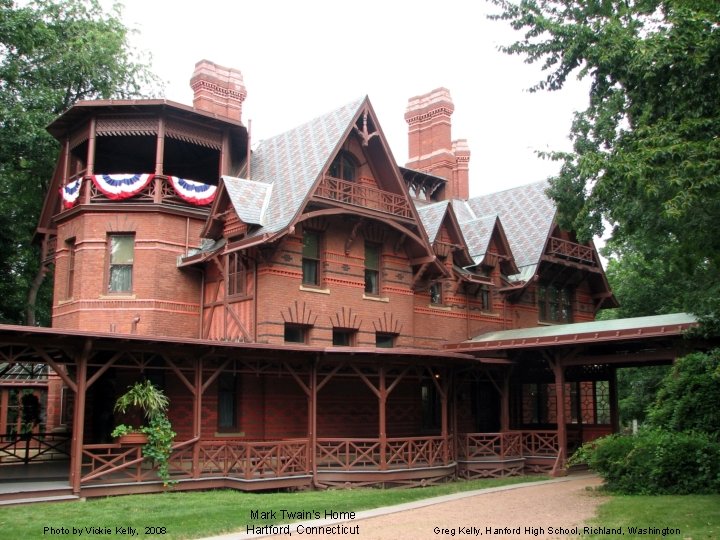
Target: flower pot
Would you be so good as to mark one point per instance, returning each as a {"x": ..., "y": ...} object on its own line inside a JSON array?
[{"x": 135, "y": 437}]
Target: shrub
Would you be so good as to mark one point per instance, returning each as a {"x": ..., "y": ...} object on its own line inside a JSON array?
[{"x": 655, "y": 462}]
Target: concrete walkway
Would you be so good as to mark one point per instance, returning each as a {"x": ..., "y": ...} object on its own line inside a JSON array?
[{"x": 537, "y": 510}]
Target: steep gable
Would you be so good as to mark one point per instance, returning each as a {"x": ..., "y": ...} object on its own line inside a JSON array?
[{"x": 527, "y": 215}]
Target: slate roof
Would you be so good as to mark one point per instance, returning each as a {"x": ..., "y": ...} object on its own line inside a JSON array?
[
  {"x": 249, "y": 197},
  {"x": 293, "y": 161},
  {"x": 431, "y": 216},
  {"x": 477, "y": 233},
  {"x": 526, "y": 214}
]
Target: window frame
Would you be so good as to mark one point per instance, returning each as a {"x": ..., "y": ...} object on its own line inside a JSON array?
[
  {"x": 555, "y": 304},
  {"x": 344, "y": 167},
  {"x": 111, "y": 265},
  {"x": 231, "y": 383},
  {"x": 373, "y": 271},
  {"x": 71, "y": 246},
  {"x": 316, "y": 261},
  {"x": 436, "y": 299},
  {"x": 350, "y": 333},
  {"x": 302, "y": 328},
  {"x": 385, "y": 335},
  {"x": 236, "y": 271}
]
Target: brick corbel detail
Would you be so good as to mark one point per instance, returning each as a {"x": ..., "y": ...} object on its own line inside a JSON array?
[
  {"x": 345, "y": 318},
  {"x": 388, "y": 324}
]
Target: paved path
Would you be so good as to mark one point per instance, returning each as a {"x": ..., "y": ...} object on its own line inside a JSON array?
[{"x": 537, "y": 510}]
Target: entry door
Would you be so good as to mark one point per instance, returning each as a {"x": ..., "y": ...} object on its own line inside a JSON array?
[{"x": 487, "y": 407}]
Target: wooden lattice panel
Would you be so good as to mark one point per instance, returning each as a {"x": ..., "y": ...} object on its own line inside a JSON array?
[
  {"x": 127, "y": 126},
  {"x": 194, "y": 134}
]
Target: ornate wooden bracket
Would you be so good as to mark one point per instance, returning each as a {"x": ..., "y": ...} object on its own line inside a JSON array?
[
  {"x": 364, "y": 135},
  {"x": 353, "y": 235}
]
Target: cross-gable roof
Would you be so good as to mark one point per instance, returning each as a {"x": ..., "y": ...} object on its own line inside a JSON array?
[{"x": 527, "y": 215}]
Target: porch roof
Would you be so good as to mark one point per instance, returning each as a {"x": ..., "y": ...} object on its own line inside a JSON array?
[
  {"x": 76, "y": 339},
  {"x": 632, "y": 328}
]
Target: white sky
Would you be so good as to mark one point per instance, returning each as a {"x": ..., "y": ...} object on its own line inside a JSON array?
[{"x": 301, "y": 59}]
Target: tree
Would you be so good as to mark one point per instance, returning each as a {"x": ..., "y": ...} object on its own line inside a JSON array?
[
  {"x": 646, "y": 151},
  {"x": 52, "y": 54}
]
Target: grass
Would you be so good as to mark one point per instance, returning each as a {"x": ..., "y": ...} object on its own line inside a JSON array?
[
  {"x": 696, "y": 516},
  {"x": 198, "y": 514}
]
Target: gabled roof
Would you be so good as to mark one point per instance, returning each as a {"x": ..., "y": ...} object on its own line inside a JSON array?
[
  {"x": 249, "y": 198},
  {"x": 477, "y": 233},
  {"x": 293, "y": 161},
  {"x": 527, "y": 215},
  {"x": 431, "y": 217}
]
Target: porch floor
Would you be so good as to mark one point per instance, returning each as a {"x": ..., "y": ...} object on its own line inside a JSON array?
[{"x": 34, "y": 477}]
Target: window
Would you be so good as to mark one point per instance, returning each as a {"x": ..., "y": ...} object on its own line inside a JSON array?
[
  {"x": 384, "y": 340},
  {"x": 295, "y": 333},
  {"x": 122, "y": 253},
  {"x": 70, "y": 245},
  {"x": 436, "y": 293},
  {"x": 484, "y": 295},
  {"x": 311, "y": 258},
  {"x": 343, "y": 167},
  {"x": 555, "y": 304},
  {"x": 227, "y": 402},
  {"x": 372, "y": 268},
  {"x": 343, "y": 337},
  {"x": 237, "y": 275}
]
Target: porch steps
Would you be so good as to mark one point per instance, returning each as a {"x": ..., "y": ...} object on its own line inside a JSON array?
[{"x": 37, "y": 499}]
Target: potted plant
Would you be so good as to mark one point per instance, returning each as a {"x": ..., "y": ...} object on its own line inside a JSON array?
[{"x": 152, "y": 401}]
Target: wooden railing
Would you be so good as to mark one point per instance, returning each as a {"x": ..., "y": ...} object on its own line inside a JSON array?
[
  {"x": 490, "y": 445},
  {"x": 570, "y": 250},
  {"x": 362, "y": 195},
  {"x": 33, "y": 447},
  {"x": 113, "y": 463},
  {"x": 540, "y": 443},
  {"x": 398, "y": 453}
]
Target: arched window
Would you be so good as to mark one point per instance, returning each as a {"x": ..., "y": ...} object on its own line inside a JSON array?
[{"x": 344, "y": 166}]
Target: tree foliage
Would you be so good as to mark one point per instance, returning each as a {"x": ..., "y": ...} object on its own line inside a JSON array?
[
  {"x": 646, "y": 151},
  {"x": 52, "y": 54}
]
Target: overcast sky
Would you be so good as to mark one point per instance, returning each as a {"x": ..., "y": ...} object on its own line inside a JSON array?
[{"x": 301, "y": 59}]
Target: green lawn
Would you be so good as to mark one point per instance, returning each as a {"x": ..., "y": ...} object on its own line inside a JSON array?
[
  {"x": 197, "y": 514},
  {"x": 696, "y": 516}
]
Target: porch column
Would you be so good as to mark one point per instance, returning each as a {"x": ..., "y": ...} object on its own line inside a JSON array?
[
  {"x": 197, "y": 417},
  {"x": 444, "y": 418},
  {"x": 559, "y": 372},
  {"x": 382, "y": 398},
  {"x": 159, "y": 159},
  {"x": 505, "y": 403},
  {"x": 78, "y": 429},
  {"x": 614, "y": 407},
  {"x": 312, "y": 419}
]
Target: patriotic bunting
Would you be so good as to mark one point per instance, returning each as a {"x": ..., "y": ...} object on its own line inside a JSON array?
[
  {"x": 192, "y": 191},
  {"x": 121, "y": 186},
  {"x": 71, "y": 192}
]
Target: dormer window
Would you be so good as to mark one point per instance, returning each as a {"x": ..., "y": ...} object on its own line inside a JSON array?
[{"x": 343, "y": 167}]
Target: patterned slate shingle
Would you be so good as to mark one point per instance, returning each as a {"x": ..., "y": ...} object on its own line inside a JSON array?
[
  {"x": 431, "y": 217},
  {"x": 250, "y": 198},
  {"x": 292, "y": 162},
  {"x": 526, "y": 214}
]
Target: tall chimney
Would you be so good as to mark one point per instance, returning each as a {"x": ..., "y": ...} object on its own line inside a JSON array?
[
  {"x": 218, "y": 90},
  {"x": 430, "y": 146}
]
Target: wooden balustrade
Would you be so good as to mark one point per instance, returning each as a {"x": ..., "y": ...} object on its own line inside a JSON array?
[
  {"x": 490, "y": 445},
  {"x": 363, "y": 195},
  {"x": 540, "y": 443},
  {"x": 399, "y": 452},
  {"x": 570, "y": 250},
  {"x": 34, "y": 447}
]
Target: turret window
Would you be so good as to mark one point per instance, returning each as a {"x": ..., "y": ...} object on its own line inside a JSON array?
[{"x": 122, "y": 258}]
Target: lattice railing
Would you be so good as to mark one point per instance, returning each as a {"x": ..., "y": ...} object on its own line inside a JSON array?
[
  {"x": 540, "y": 443},
  {"x": 33, "y": 447},
  {"x": 490, "y": 445},
  {"x": 362, "y": 195},
  {"x": 114, "y": 463},
  {"x": 571, "y": 250},
  {"x": 347, "y": 454},
  {"x": 416, "y": 452}
]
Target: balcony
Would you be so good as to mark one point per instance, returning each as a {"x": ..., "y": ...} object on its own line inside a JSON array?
[
  {"x": 364, "y": 196},
  {"x": 565, "y": 249}
]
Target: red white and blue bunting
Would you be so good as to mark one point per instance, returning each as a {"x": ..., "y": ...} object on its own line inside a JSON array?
[
  {"x": 70, "y": 193},
  {"x": 121, "y": 186},
  {"x": 192, "y": 191}
]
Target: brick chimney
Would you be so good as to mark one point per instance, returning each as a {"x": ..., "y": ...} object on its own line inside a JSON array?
[
  {"x": 430, "y": 147},
  {"x": 218, "y": 90}
]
